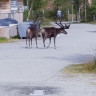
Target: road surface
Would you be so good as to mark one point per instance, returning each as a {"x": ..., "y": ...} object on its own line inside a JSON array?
[{"x": 37, "y": 71}]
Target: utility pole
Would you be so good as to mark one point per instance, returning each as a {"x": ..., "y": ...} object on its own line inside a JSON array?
[
  {"x": 85, "y": 11},
  {"x": 27, "y": 2},
  {"x": 72, "y": 11},
  {"x": 79, "y": 17}
]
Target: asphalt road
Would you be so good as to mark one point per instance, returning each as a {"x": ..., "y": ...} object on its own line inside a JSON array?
[{"x": 37, "y": 71}]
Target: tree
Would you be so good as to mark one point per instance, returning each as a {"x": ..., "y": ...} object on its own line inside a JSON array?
[
  {"x": 93, "y": 2},
  {"x": 34, "y": 6},
  {"x": 64, "y": 6},
  {"x": 92, "y": 11},
  {"x": 81, "y": 9}
]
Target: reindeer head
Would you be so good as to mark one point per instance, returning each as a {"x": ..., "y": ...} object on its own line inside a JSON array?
[{"x": 63, "y": 30}]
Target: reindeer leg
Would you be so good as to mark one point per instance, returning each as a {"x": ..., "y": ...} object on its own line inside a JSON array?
[
  {"x": 36, "y": 42},
  {"x": 26, "y": 41},
  {"x": 31, "y": 42},
  {"x": 54, "y": 42},
  {"x": 44, "y": 41},
  {"x": 49, "y": 42}
]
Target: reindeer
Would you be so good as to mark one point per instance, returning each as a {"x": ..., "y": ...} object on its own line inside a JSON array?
[
  {"x": 32, "y": 32},
  {"x": 49, "y": 32}
]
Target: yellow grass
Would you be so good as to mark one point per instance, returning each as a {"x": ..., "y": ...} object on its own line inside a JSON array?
[{"x": 89, "y": 67}]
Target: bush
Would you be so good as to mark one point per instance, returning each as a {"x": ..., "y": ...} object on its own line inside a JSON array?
[
  {"x": 91, "y": 11},
  {"x": 32, "y": 15},
  {"x": 15, "y": 37},
  {"x": 50, "y": 14},
  {"x": 25, "y": 15}
]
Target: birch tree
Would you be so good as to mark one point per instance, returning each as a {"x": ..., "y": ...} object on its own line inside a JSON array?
[{"x": 34, "y": 5}]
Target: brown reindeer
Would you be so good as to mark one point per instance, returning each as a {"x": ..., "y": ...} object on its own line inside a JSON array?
[
  {"x": 32, "y": 32},
  {"x": 49, "y": 32}
]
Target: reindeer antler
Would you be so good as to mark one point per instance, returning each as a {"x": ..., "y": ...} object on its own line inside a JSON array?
[
  {"x": 37, "y": 15},
  {"x": 60, "y": 20},
  {"x": 56, "y": 21}
]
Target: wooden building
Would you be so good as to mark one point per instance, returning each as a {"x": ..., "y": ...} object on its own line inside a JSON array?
[
  {"x": 11, "y": 9},
  {"x": 50, "y": 5},
  {"x": 90, "y": 2}
]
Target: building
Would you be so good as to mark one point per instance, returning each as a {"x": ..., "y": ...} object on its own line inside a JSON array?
[
  {"x": 50, "y": 5},
  {"x": 12, "y": 9},
  {"x": 90, "y": 2}
]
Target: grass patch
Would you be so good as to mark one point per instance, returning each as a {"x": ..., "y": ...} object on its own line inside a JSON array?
[
  {"x": 93, "y": 22},
  {"x": 5, "y": 40},
  {"x": 89, "y": 67}
]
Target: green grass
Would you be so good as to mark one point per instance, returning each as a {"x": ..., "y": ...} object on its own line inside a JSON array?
[
  {"x": 89, "y": 67},
  {"x": 5, "y": 40}
]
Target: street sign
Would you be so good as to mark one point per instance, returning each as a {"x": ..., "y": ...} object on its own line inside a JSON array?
[{"x": 14, "y": 5}]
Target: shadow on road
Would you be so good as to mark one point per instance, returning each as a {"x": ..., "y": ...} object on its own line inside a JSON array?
[
  {"x": 29, "y": 90},
  {"x": 76, "y": 58}
]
